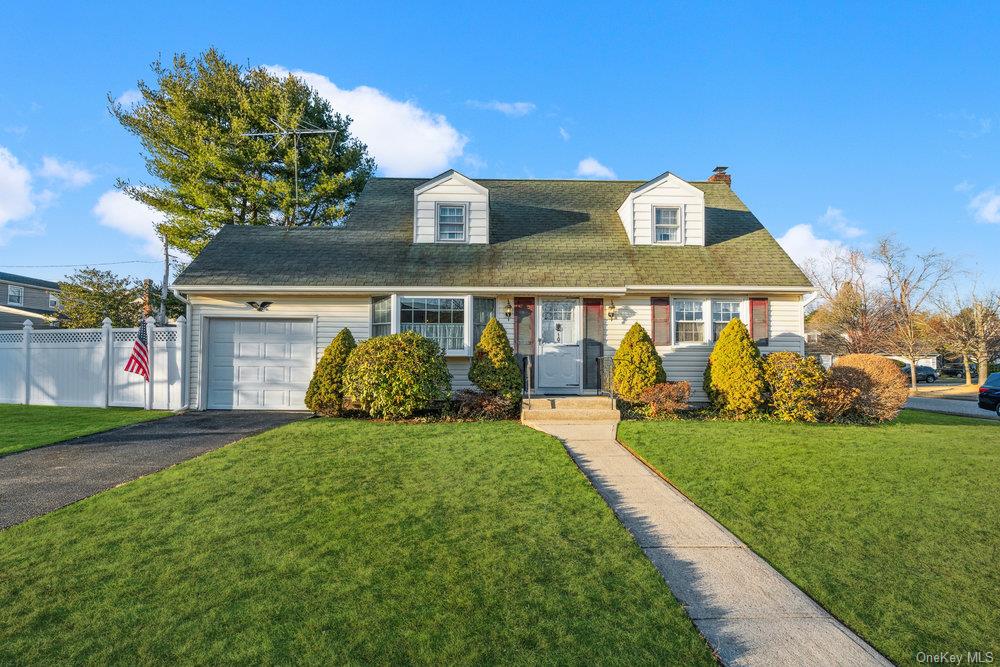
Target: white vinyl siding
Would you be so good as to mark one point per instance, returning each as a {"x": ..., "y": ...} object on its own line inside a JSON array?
[
  {"x": 454, "y": 190},
  {"x": 638, "y": 210}
]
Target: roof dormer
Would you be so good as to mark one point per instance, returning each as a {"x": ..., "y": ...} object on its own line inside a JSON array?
[
  {"x": 451, "y": 208},
  {"x": 664, "y": 211}
]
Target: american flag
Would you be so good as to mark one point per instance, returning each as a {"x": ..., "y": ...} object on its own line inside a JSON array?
[{"x": 138, "y": 363}]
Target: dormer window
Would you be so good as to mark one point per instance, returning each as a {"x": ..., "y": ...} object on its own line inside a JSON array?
[
  {"x": 451, "y": 222},
  {"x": 666, "y": 224}
]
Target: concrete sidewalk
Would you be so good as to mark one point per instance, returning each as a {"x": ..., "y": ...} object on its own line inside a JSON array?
[
  {"x": 38, "y": 481},
  {"x": 748, "y": 612}
]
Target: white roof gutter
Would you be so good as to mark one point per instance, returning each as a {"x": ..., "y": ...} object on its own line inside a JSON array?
[{"x": 369, "y": 289}]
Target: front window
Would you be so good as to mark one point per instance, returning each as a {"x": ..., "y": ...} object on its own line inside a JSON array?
[
  {"x": 441, "y": 320},
  {"x": 451, "y": 222},
  {"x": 483, "y": 309},
  {"x": 53, "y": 301},
  {"x": 15, "y": 295},
  {"x": 381, "y": 316},
  {"x": 722, "y": 313},
  {"x": 690, "y": 321},
  {"x": 666, "y": 224}
]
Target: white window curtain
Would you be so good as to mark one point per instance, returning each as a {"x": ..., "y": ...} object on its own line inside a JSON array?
[
  {"x": 441, "y": 320},
  {"x": 689, "y": 321}
]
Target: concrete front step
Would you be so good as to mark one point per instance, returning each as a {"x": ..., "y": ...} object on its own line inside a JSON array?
[
  {"x": 574, "y": 402},
  {"x": 571, "y": 415}
]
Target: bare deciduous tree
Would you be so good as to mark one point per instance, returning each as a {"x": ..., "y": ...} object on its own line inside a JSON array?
[
  {"x": 854, "y": 313},
  {"x": 911, "y": 284}
]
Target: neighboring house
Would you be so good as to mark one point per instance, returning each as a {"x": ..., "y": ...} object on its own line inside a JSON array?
[
  {"x": 819, "y": 348},
  {"x": 566, "y": 266},
  {"x": 23, "y": 298}
]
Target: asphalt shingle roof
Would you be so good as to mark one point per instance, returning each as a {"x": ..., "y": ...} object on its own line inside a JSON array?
[
  {"x": 542, "y": 234},
  {"x": 25, "y": 280}
]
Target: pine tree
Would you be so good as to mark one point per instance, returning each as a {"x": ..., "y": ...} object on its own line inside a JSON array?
[
  {"x": 736, "y": 376},
  {"x": 637, "y": 364},
  {"x": 494, "y": 368},
  {"x": 325, "y": 395}
]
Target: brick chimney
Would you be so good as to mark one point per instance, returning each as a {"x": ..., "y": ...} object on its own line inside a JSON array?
[{"x": 719, "y": 175}]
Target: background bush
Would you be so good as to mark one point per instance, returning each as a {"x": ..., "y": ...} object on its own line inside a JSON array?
[
  {"x": 795, "y": 383},
  {"x": 637, "y": 365},
  {"x": 471, "y": 404},
  {"x": 666, "y": 398},
  {"x": 735, "y": 375},
  {"x": 325, "y": 395},
  {"x": 494, "y": 368},
  {"x": 394, "y": 376},
  {"x": 882, "y": 389}
]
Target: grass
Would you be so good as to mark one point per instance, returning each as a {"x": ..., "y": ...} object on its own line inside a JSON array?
[
  {"x": 30, "y": 426},
  {"x": 894, "y": 529},
  {"x": 331, "y": 541}
]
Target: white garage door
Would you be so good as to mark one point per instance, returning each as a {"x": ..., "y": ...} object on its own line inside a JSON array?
[{"x": 259, "y": 364}]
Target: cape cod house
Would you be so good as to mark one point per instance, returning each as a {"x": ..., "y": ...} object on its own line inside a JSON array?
[{"x": 567, "y": 266}]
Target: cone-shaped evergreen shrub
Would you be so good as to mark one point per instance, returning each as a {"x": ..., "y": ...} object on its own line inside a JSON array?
[
  {"x": 325, "y": 395},
  {"x": 637, "y": 365},
  {"x": 494, "y": 368},
  {"x": 392, "y": 377},
  {"x": 737, "y": 372}
]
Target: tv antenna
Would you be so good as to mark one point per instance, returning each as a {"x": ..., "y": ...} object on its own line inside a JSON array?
[{"x": 280, "y": 134}]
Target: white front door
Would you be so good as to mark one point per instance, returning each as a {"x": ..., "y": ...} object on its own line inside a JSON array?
[
  {"x": 259, "y": 364},
  {"x": 559, "y": 345}
]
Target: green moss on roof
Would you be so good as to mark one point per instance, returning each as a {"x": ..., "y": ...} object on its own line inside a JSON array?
[{"x": 542, "y": 234}]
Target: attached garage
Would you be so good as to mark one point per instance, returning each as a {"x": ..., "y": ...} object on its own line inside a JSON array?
[{"x": 258, "y": 364}]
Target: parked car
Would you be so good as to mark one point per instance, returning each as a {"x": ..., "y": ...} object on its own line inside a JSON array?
[
  {"x": 924, "y": 373},
  {"x": 989, "y": 394},
  {"x": 956, "y": 370}
]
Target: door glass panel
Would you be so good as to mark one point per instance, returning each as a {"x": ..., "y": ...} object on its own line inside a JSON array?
[{"x": 559, "y": 322}]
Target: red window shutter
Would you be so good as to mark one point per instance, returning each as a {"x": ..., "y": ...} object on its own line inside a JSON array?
[
  {"x": 660, "y": 305},
  {"x": 760, "y": 323}
]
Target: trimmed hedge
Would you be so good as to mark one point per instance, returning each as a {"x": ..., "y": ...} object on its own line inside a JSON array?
[
  {"x": 392, "y": 377},
  {"x": 637, "y": 364},
  {"x": 666, "y": 398},
  {"x": 795, "y": 383},
  {"x": 735, "y": 373},
  {"x": 881, "y": 390},
  {"x": 494, "y": 368},
  {"x": 325, "y": 395}
]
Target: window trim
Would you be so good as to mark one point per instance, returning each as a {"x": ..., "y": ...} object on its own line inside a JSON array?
[
  {"x": 674, "y": 302},
  {"x": 53, "y": 301},
  {"x": 465, "y": 221},
  {"x": 20, "y": 292},
  {"x": 680, "y": 224},
  {"x": 467, "y": 321}
]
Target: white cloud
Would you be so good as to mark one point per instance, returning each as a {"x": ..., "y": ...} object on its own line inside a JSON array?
[
  {"x": 512, "y": 109},
  {"x": 68, "y": 173},
  {"x": 835, "y": 219},
  {"x": 591, "y": 168},
  {"x": 986, "y": 206},
  {"x": 129, "y": 97},
  {"x": 964, "y": 186},
  {"x": 805, "y": 248},
  {"x": 404, "y": 139},
  {"x": 16, "y": 201},
  {"x": 564, "y": 134},
  {"x": 119, "y": 211},
  {"x": 474, "y": 162}
]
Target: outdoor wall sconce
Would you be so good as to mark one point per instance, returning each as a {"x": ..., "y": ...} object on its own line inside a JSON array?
[
  {"x": 508, "y": 310},
  {"x": 259, "y": 306},
  {"x": 611, "y": 310}
]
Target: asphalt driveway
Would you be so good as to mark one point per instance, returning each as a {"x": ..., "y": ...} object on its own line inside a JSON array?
[
  {"x": 40, "y": 480},
  {"x": 950, "y": 406}
]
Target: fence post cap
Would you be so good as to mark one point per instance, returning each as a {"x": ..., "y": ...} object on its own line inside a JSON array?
[
  {"x": 28, "y": 324},
  {"x": 181, "y": 320},
  {"x": 150, "y": 320},
  {"x": 106, "y": 321}
]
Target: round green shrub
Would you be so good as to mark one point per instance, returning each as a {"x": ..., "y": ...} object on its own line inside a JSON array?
[
  {"x": 494, "y": 368},
  {"x": 637, "y": 364},
  {"x": 736, "y": 375},
  {"x": 325, "y": 395},
  {"x": 392, "y": 377},
  {"x": 795, "y": 383}
]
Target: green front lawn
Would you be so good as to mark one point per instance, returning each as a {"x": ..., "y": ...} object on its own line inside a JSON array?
[
  {"x": 330, "y": 541},
  {"x": 30, "y": 426},
  {"x": 894, "y": 529}
]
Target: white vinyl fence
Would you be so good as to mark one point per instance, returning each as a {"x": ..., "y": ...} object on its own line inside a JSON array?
[{"x": 85, "y": 367}]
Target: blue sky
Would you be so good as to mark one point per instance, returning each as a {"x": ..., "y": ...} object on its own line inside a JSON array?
[{"x": 840, "y": 122}]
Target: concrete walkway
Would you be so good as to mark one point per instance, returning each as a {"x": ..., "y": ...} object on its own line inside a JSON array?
[
  {"x": 748, "y": 612},
  {"x": 40, "y": 480},
  {"x": 950, "y": 406}
]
